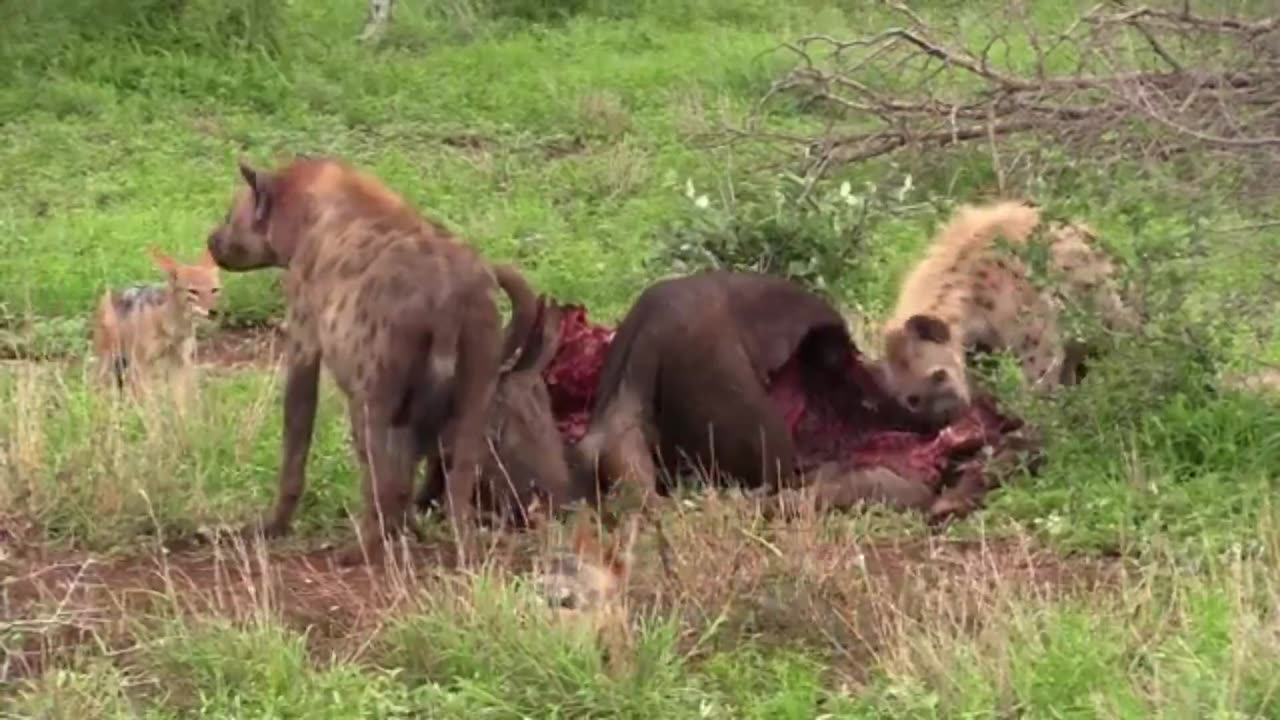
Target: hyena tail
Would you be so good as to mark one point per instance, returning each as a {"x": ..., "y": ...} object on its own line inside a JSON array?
[
  {"x": 524, "y": 310},
  {"x": 106, "y": 340},
  {"x": 973, "y": 227}
]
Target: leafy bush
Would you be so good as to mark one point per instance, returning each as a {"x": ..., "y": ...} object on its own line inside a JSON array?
[{"x": 814, "y": 235}]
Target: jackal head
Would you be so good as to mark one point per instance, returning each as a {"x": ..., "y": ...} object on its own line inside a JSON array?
[
  {"x": 589, "y": 581},
  {"x": 196, "y": 286}
]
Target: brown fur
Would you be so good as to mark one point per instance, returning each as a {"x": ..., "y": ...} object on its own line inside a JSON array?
[
  {"x": 588, "y": 586},
  {"x": 131, "y": 336},
  {"x": 399, "y": 311},
  {"x": 836, "y": 486},
  {"x": 525, "y": 463},
  {"x": 686, "y": 377},
  {"x": 1265, "y": 382},
  {"x": 965, "y": 296}
]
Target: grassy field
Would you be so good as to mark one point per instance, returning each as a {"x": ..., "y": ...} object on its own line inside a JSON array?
[{"x": 1136, "y": 576}]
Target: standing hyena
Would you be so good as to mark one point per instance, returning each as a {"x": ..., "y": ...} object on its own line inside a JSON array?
[
  {"x": 964, "y": 295},
  {"x": 136, "y": 328},
  {"x": 399, "y": 311}
]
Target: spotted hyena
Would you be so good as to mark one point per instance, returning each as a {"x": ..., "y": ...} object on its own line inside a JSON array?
[
  {"x": 139, "y": 328},
  {"x": 401, "y": 313},
  {"x": 965, "y": 295}
]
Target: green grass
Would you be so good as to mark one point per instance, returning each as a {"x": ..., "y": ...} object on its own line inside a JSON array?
[{"x": 568, "y": 145}]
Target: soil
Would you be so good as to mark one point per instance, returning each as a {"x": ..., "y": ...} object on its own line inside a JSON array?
[
  {"x": 54, "y": 601},
  {"x": 257, "y": 347}
]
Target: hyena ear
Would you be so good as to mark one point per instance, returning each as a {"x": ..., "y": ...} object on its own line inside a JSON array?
[
  {"x": 163, "y": 261},
  {"x": 549, "y": 345},
  {"x": 263, "y": 186},
  {"x": 540, "y": 346},
  {"x": 929, "y": 328}
]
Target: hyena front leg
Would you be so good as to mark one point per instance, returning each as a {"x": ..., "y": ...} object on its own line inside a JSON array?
[{"x": 300, "y": 396}]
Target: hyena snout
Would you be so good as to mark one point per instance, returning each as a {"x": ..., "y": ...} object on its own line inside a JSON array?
[
  {"x": 234, "y": 251},
  {"x": 940, "y": 399}
]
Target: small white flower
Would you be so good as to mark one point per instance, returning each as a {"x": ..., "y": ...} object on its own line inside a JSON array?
[
  {"x": 906, "y": 188},
  {"x": 689, "y": 192},
  {"x": 702, "y": 202},
  {"x": 846, "y": 189}
]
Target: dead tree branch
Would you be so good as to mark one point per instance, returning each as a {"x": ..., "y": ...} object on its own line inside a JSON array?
[{"x": 1144, "y": 83}]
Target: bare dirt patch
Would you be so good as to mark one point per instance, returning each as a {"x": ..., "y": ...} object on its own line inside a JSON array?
[
  {"x": 256, "y": 347},
  {"x": 839, "y": 594}
]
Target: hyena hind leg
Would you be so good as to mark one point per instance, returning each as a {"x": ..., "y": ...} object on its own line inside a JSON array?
[
  {"x": 387, "y": 455},
  {"x": 475, "y": 383}
]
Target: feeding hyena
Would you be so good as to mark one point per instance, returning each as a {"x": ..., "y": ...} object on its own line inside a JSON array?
[
  {"x": 966, "y": 296},
  {"x": 525, "y": 466},
  {"x": 143, "y": 328},
  {"x": 401, "y": 313}
]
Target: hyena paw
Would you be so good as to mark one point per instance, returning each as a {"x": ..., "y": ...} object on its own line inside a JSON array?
[
  {"x": 359, "y": 553},
  {"x": 269, "y": 529}
]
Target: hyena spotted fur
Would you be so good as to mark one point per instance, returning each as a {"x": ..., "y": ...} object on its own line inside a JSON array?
[
  {"x": 965, "y": 296},
  {"x": 400, "y": 312},
  {"x": 138, "y": 328}
]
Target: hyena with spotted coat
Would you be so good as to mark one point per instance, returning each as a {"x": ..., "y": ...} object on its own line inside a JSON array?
[
  {"x": 965, "y": 296},
  {"x": 140, "y": 328},
  {"x": 401, "y": 313}
]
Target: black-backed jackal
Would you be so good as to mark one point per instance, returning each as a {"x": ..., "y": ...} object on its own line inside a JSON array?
[
  {"x": 141, "y": 326},
  {"x": 588, "y": 586}
]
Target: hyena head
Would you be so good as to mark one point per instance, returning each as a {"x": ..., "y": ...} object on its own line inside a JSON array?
[
  {"x": 589, "y": 581},
  {"x": 241, "y": 242},
  {"x": 924, "y": 369},
  {"x": 530, "y": 444},
  {"x": 196, "y": 286}
]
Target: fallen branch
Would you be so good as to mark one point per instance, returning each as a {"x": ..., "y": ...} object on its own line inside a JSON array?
[{"x": 1142, "y": 82}]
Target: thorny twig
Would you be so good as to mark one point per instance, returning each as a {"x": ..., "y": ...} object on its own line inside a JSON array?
[{"x": 1143, "y": 83}]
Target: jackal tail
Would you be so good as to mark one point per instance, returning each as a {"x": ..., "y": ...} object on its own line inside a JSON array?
[{"x": 106, "y": 340}]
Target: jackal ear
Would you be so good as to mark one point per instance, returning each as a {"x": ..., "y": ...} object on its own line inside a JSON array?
[
  {"x": 206, "y": 259},
  {"x": 263, "y": 186},
  {"x": 619, "y": 556},
  {"x": 163, "y": 261},
  {"x": 929, "y": 328},
  {"x": 585, "y": 543}
]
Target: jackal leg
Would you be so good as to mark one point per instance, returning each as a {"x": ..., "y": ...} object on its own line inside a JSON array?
[{"x": 184, "y": 374}]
